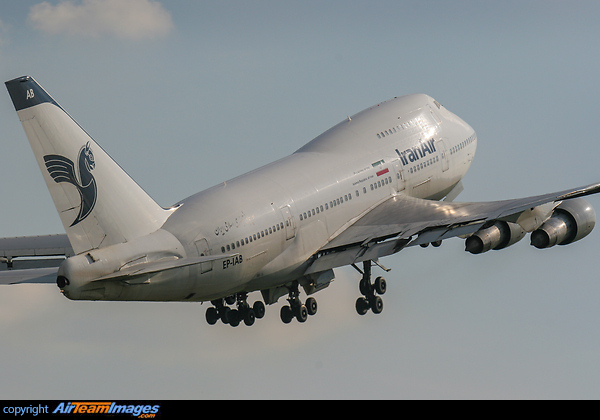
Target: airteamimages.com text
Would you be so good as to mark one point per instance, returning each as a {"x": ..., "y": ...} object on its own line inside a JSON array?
[{"x": 85, "y": 407}]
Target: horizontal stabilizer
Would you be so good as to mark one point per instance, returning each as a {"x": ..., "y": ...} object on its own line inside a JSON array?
[
  {"x": 34, "y": 275},
  {"x": 36, "y": 246}
]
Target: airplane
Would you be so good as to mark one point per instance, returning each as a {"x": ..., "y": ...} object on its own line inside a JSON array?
[{"x": 380, "y": 181}]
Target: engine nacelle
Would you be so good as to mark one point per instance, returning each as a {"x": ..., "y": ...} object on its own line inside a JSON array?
[
  {"x": 497, "y": 235},
  {"x": 571, "y": 221}
]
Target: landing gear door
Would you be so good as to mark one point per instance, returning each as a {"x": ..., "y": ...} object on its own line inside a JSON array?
[{"x": 288, "y": 222}]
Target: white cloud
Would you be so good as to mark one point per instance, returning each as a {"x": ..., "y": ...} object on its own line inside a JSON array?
[{"x": 130, "y": 19}]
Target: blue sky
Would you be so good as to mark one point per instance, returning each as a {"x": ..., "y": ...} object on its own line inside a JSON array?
[{"x": 187, "y": 94}]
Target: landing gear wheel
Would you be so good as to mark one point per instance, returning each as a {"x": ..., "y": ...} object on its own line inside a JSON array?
[
  {"x": 364, "y": 286},
  {"x": 234, "y": 318},
  {"x": 286, "y": 314},
  {"x": 377, "y": 305},
  {"x": 380, "y": 285},
  {"x": 362, "y": 306},
  {"x": 311, "y": 305},
  {"x": 249, "y": 317},
  {"x": 212, "y": 315},
  {"x": 225, "y": 314},
  {"x": 259, "y": 309},
  {"x": 302, "y": 313}
]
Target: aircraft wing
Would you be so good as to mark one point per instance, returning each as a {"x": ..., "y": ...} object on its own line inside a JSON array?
[
  {"x": 32, "y": 259},
  {"x": 393, "y": 224}
]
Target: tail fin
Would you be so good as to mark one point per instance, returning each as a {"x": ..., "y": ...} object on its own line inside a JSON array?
[{"x": 98, "y": 203}]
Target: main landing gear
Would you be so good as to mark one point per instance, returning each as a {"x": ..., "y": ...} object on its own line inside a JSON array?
[
  {"x": 296, "y": 309},
  {"x": 370, "y": 300},
  {"x": 242, "y": 312}
]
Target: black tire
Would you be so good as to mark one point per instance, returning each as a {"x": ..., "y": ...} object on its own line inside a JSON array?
[
  {"x": 259, "y": 309},
  {"x": 380, "y": 285},
  {"x": 364, "y": 286},
  {"x": 362, "y": 306},
  {"x": 286, "y": 314},
  {"x": 377, "y": 305},
  {"x": 311, "y": 305},
  {"x": 212, "y": 315},
  {"x": 302, "y": 314},
  {"x": 249, "y": 317},
  {"x": 225, "y": 311},
  {"x": 234, "y": 318}
]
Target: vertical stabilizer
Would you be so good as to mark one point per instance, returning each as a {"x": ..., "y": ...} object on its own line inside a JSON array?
[{"x": 98, "y": 203}]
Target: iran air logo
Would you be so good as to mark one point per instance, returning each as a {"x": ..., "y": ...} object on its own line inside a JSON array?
[{"x": 62, "y": 169}]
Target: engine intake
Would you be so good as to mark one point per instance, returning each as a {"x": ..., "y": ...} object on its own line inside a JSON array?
[
  {"x": 571, "y": 221},
  {"x": 494, "y": 235}
]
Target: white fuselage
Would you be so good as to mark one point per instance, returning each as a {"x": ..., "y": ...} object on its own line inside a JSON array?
[
  {"x": 276, "y": 217},
  {"x": 273, "y": 219}
]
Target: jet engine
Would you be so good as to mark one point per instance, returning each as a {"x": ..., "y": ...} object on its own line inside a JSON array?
[
  {"x": 571, "y": 221},
  {"x": 494, "y": 235}
]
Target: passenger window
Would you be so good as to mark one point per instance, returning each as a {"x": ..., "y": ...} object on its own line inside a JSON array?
[
  {"x": 223, "y": 249},
  {"x": 301, "y": 218},
  {"x": 313, "y": 212},
  {"x": 228, "y": 247},
  {"x": 237, "y": 243},
  {"x": 232, "y": 245},
  {"x": 270, "y": 230},
  {"x": 364, "y": 190},
  {"x": 321, "y": 208}
]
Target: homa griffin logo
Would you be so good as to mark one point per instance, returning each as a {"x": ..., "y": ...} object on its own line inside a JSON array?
[
  {"x": 416, "y": 152},
  {"x": 141, "y": 410},
  {"x": 62, "y": 169}
]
